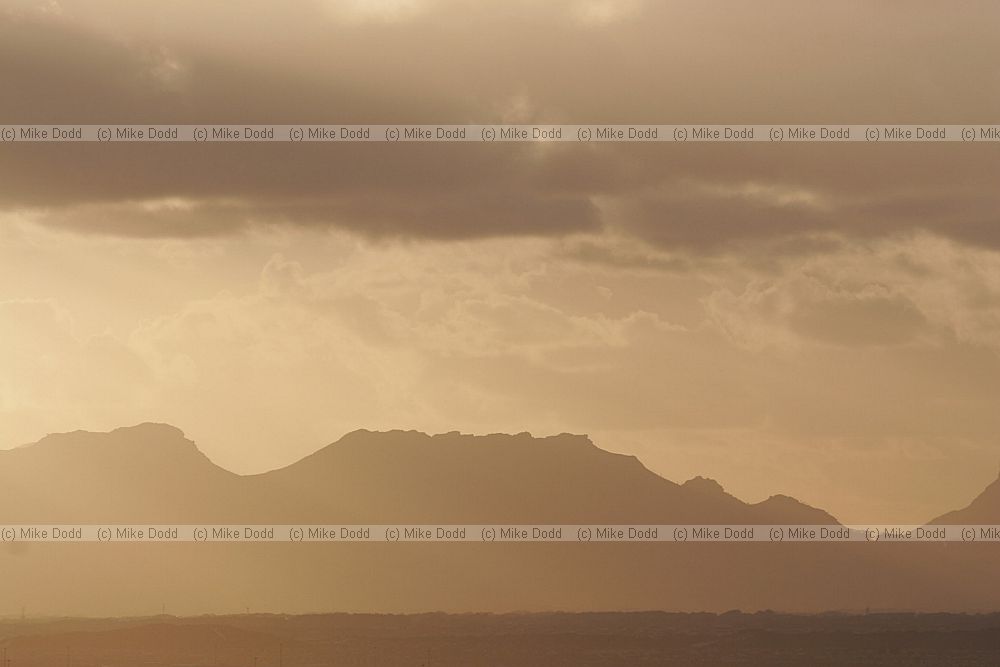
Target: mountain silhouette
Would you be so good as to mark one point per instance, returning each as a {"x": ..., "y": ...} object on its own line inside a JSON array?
[
  {"x": 146, "y": 474},
  {"x": 407, "y": 476},
  {"x": 984, "y": 509},
  {"x": 151, "y": 474}
]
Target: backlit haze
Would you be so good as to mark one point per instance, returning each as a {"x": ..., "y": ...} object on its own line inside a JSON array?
[{"x": 814, "y": 319}]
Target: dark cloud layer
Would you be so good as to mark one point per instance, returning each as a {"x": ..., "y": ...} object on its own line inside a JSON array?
[{"x": 803, "y": 65}]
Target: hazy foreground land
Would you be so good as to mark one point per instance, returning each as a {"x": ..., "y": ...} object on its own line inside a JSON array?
[{"x": 646, "y": 638}]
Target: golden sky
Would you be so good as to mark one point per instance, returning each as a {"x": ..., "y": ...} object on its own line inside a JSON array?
[{"x": 812, "y": 319}]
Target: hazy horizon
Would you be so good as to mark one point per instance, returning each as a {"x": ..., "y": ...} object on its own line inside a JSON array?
[
  {"x": 480, "y": 332},
  {"x": 819, "y": 320}
]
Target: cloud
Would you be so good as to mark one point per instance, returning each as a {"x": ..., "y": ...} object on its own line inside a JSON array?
[
  {"x": 604, "y": 12},
  {"x": 623, "y": 254},
  {"x": 262, "y": 355},
  {"x": 469, "y": 215},
  {"x": 361, "y": 11},
  {"x": 456, "y": 62},
  {"x": 872, "y": 315},
  {"x": 920, "y": 291},
  {"x": 759, "y": 302},
  {"x": 804, "y": 307},
  {"x": 49, "y": 370}
]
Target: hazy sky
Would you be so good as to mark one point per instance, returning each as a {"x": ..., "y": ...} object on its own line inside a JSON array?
[{"x": 817, "y": 320}]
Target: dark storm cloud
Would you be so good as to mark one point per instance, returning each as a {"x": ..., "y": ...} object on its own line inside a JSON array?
[
  {"x": 433, "y": 217},
  {"x": 688, "y": 215},
  {"x": 468, "y": 66},
  {"x": 444, "y": 191}
]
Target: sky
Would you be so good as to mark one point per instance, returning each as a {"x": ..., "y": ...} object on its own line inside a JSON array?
[{"x": 810, "y": 319}]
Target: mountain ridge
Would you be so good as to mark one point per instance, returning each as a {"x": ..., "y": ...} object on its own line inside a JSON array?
[
  {"x": 389, "y": 476},
  {"x": 151, "y": 474},
  {"x": 164, "y": 444}
]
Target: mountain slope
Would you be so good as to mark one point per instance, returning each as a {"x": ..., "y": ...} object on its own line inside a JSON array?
[
  {"x": 151, "y": 473},
  {"x": 984, "y": 509},
  {"x": 406, "y": 476},
  {"x": 146, "y": 473}
]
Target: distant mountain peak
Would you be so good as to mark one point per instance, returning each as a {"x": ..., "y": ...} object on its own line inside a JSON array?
[
  {"x": 411, "y": 437},
  {"x": 151, "y": 428},
  {"x": 362, "y": 434},
  {"x": 704, "y": 485},
  {"x": 793, "y": 510},
  {"x": 153, "y": 434},
  {"x": 781, "y": 498},
  {"x": 143, "y": 473},
  {"x": 144, "y": 434},
  {"x": 155, "y": 445}
]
